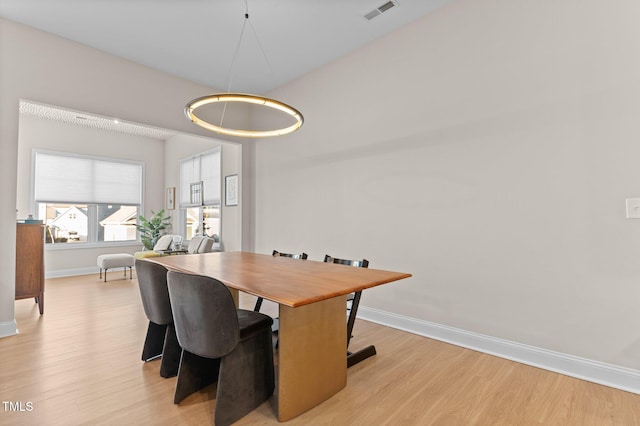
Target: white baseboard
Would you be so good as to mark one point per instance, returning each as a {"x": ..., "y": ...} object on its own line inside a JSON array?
[
  {"x": 72, "y": 272},
  {"x": 79, "y": 271},
  {"x": 593, "y": 371},
  {"x": 8, "y": 328}
]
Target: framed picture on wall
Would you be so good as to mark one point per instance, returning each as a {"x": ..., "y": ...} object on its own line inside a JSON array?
[
  {"x": 170, "y": 198},
  {"x": 231, "y": 190}
]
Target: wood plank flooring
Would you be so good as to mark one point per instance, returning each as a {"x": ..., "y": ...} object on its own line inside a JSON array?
[{"x": 79, "y": 364}]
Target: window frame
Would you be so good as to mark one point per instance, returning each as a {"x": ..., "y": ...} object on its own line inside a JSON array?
[
  {"x": 93, "y": 227},
  {"x": 92, "y": 208},
  {"x": 201, "y": 222},
  {"x": 184, "y": 206}
]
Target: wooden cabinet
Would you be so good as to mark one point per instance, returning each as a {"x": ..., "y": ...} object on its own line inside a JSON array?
[{"x": 30, "y": 263}]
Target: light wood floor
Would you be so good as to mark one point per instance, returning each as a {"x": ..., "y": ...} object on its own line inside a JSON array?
[{"x": 80, "y": 364}]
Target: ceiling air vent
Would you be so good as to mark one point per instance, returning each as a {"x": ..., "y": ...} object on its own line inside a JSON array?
[{"x": 380, "y": 10}]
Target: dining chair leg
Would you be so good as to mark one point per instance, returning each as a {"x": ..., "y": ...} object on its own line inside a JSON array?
[
  {"x": 154, "y": 341},
  {"x": 355, "y": 357},
  {"x": 352, "y": 314},
  {"x": 246, "y": 379},
  {"x": 195, "y": 373},
  {"x": 170, "y": 353},
  {"x": 258, "y": 305}
]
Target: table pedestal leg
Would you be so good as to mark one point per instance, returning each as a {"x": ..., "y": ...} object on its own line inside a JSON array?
[{"x": 312, "y": 365}]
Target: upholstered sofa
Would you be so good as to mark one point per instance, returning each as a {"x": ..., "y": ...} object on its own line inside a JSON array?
[
  {"x": 163, "y": 243},
  {"x": 197, "y": 244}
]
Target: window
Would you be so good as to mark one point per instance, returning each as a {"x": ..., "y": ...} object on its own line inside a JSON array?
[
  {"x": 84, "y": 199},
  {"x": 202, "y": 219},
  {"x": 200, "y": 215},
  {"x": 65, "y": 223}
]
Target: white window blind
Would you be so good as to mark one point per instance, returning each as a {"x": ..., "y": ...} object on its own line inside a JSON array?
[
  {"x": 189, "y": 173},
  {"x": 204, "y": 167},
  {"x": 69, "y": 178}
]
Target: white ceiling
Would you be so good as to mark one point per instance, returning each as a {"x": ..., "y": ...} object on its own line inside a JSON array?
[{"x": 196, "y": 39}]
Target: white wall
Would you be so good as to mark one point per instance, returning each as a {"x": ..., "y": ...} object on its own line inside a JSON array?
[
  {"x": 487, "y": 149},
  {"x": 38, "y": 66}
]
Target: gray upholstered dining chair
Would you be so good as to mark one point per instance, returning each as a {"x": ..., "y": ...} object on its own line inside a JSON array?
[
  {"x": 353, "y": 300},
  {"x": 220, "y": 342},
  {"x": 302, "y": 256},
  {"x": 161, "y": 335}
]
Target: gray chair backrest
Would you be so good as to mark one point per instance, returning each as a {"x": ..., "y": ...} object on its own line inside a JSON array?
[
  {"x": 205, "y": 315},
  {"x": 152, "y": 281}
]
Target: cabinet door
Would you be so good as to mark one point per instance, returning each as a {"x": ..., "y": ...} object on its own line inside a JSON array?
[{"x": 29, "y": 260}]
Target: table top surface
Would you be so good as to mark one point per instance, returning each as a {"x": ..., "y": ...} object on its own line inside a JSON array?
[{"x": 290, "y": 282}]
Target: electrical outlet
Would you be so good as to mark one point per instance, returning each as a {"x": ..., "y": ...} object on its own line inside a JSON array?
[{"x": 633, "y": 208}]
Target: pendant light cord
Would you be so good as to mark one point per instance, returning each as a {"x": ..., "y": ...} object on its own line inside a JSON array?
[
  {"x": 264, "y": 54},
  {"x": 243, "y": 99},
  {"x": 235, "y": 56}
]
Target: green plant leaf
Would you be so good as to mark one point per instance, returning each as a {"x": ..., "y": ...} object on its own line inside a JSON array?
[{"x": 151, "y": 228}]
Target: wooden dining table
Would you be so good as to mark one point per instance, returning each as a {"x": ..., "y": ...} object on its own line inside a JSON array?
[{"x": 311, "y": 298}]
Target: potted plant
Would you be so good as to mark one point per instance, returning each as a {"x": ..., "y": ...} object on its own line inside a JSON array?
[{"x": 151, "y": 229}]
